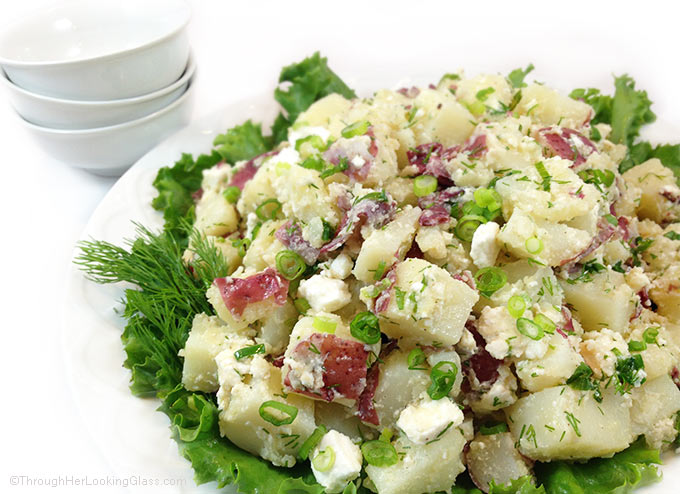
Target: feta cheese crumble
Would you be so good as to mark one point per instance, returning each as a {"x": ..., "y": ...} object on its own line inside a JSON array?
[
  {"x": 426, "y": 421},
  {"x": 347, "y": 464}
]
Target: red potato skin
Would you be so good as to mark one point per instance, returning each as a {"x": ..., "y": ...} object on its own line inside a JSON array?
[
  {"x": 238, "y": 293},
  {"x": 344, "y": 363}
]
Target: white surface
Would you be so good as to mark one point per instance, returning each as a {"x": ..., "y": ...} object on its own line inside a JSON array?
[
  {"x": 239, "y": 49},
  {"x": 109, "y": 151},
  {"x": 73, "y": 114},
  {"x": 98, "y": 50}
]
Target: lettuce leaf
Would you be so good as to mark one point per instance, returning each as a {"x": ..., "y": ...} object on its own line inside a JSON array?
[
  {"x": 523, "y": 485},
  {"x": 214, "y": 459},
  {"x": 627, "y": 112},
  {"x": 310, "y": 80},
  {"x": 621, "y": 474},
  {"x": 175, "y": 186}
]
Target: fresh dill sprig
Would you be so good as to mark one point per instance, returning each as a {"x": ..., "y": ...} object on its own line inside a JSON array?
[{"x": 161, "y": 307}]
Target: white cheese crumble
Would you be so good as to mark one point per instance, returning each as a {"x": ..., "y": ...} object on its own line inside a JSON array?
[
  {"x": 347, "y": 464},
  {"x": 428, "y": 420},
  {"x": 325, "y": 294},
  {"x": 484, "y": 249},
  {"x": 340, "y": 267}
]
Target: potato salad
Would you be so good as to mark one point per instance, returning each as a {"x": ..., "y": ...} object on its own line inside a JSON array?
[{"x": 437, "y": 279}]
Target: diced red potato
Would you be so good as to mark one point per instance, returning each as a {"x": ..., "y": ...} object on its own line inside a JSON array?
[
  {"x": 244, "y": 174},
  {"x": 290, "y": 235},
  {"x": 326, "y": 367},
  {"x": 242, "y": 301},
  {"x": 566, "y": 143},
  {"x": 495, "y": 457}
]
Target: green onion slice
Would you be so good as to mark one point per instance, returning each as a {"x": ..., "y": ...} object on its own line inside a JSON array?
[
  {"x": 650, "y": 335},
  {"x": 241, "y": 245},
  {"x": 529, "y": 328},
  {"x": 311, "y": 442},
  {"x": 365, "y": 327},
  {"x": 490, "y": 280},
  {"x": 637, "y": 346},
  {"x": 325, "y": 460},
  {"x": 302, "y": 305},
  {"x": 442, "y": 379},
  {"x": 379, "y": 453},
  {"x": 516, "y": 306},
  {"x": 324, "y": 325},
  {"x": 290, "y": 264},
  {"x": 424, "y": 185},
  {"x": 467, "y": 225},
  {"x": 355, "y": 129},
  {"x": 416, "y": 358},
  {"x": 534, "y": 245},
  {"x": 249, "y": 351},
  {"x": 488, "y": 198},
  {"x": 285, "y": 414},
  {"x": 314, "y": 140},
  {"x": 231, "y": 194},
  {"x": 268, "y": 209},
  {"x": 545, "y": 323}
]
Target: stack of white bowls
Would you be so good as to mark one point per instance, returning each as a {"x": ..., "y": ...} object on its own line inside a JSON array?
[{"x": 99, "y": 83}]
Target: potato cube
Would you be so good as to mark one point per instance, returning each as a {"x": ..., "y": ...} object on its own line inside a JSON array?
[
  {"x": 494, "y": 457},
  {"x": 397, "y": 387},
  {"x": 387, "y": 245},
  {"x": 262, "y": 251},
  {"x": 554, "y": 368},
  {"x": 652, "y": 178},
  {"x": 444, "y": 120},
  {"x": 604, "y": 302},
  {"x": 207, "y": 338},
  {"x": 215, "y": 215},
  {"x": 427, "y": 305},
  {"x": 423, "y": 467},
  {"x": 562, "y": 423},
  {"x": 241, "y": 422},
  {"x": 549, "y": 107},
  {"x": 653, "y": 412}
]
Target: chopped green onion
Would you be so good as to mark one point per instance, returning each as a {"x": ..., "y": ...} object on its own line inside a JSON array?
[
  {"x": 545, "y": 176},
  {"x": 268, "y": 209},
  {"x": 249, "y": 351},
  {"x": 611, "y": 219},
  {"x": 365, "y": 327},
  {"x": 545, "y": 323},
  {"x": 325, "y": 460},
  {"x": 242, "y": 245},
  {"x": 290, "y": 264},
  {"x": 424, "y": 185},
  {"x": 488, "y": 198},
  {"x": 342, "y": 165},
  {"x": 302, "y": 305},
  {"x": 231, "y": 194},
  {"x": 313, "y": 163},
  {"x": 490, "y": 280},
  {"x": 313, "y": 140},
  {"x": 476, "y": 108},
  {"x": 529, "y": 328},
  {"x": 386, "y": 435},
  {"x": 379, "y": 271},
  {"x": 355, "y": 129},
  {"x": 650, "y": 335},
  {"x": 328, "y": 231},
  {"x": 637, "y": 346},
  {"x": 534, "y": 245},
  {"x": 379, "y": 453},
  {"x": 311, "y": 442},
  {"x": 490, "y": 430},
  {"x": 442, "y": 380},
  {"x": 324, "y": 325},
  {"x": 467, "y": 225},
  {"x": 288, "y": 411},
  {"x": 416, "y": 358},
  {"x": 516, "y": 306}
]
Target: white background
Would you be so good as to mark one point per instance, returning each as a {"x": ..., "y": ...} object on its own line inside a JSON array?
[{"x": 239, "y": 48}]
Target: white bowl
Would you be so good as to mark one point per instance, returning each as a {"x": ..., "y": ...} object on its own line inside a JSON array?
[
  {"x": 98, "y": 50},
  {"x": 72, "y": 114},
  {"x": 111, "y": 150}
]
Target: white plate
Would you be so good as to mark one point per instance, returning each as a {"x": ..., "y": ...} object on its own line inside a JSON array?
[{"x": 133, "y": 437}]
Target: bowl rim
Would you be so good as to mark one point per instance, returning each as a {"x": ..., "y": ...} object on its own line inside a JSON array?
[
  {"x": 7, "y": 28},
  {"x": 111, "y": 128},
  {"x": 185, "y": 77}
]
